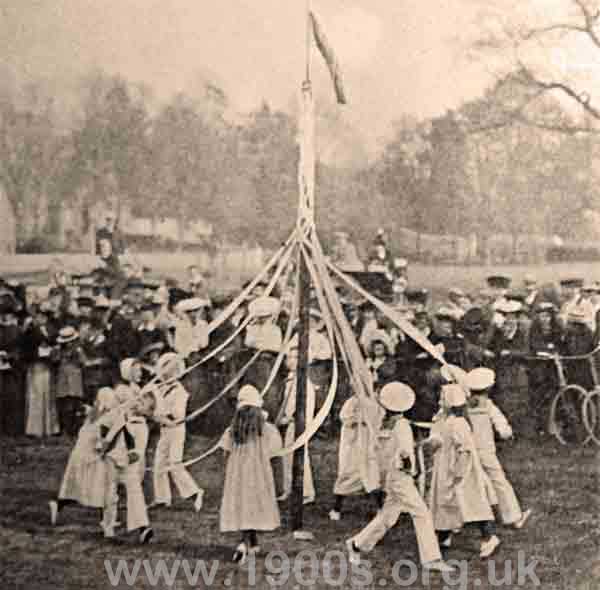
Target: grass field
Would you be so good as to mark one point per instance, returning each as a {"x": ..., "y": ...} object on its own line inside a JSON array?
[
  {"x": 559, "y": 484},
  {"x": 433, "y": 277}
]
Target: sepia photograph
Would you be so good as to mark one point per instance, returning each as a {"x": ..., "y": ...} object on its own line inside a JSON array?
[{"x": 299, "y": 294}]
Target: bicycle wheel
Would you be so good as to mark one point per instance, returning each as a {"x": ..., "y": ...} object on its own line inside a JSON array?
[
  {"x": 566, "y": 416},
  {"x": 591, "y": 407}
]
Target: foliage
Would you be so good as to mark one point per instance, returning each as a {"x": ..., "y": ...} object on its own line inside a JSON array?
[{"x": 477, "y": 170}]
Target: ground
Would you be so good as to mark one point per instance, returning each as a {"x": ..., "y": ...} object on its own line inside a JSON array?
[{"x": 559, "y": 483}]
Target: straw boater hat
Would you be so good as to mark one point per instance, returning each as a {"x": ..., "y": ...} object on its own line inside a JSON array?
[
  {"x": 545, "y": 306},
  {"x": 249, "y": 396},
  {"x": 480, "y": 379},
  {"x": 509, "y": 307},
  {"x": 262, "y": 307},
  {"x": 192, "y": 304},
  {"x": 67, "y": 334},
  {"x": 397, "y": 397}
]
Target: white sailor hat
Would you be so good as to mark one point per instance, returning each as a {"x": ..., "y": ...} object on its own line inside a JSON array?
[
  {"x": 397, "y": 397},
  {"x": 454, "y": 395},
  {"x": 480, "y": 379}
]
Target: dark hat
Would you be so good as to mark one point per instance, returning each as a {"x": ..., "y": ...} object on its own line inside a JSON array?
[
  {"x": 7, "y": 307},
  {"x": 176, "y": 295},
  {"x": 54, "y": 291},
  {"x": 151, "y": 305},
  {"x": 152, "y": 347},
  {"x": 417, "y": 295},
  {"x": 85, "y": 302},
  {"x": 134, "y": 284},
  {"x": 152, "y": 285},
  {"x": 575, "y": 283},
  {"x": 473, "y": 320},
  {"x": 498, "y": 282}
]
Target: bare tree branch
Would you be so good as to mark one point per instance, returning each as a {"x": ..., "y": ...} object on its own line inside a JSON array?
[{"x": 590, "y": 20}]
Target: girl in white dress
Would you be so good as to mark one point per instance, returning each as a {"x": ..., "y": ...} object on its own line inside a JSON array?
[
  {"x": 84, "y": 479},
  {"x": 249, "y": 501},
  {"x": 460, "y": 492}
]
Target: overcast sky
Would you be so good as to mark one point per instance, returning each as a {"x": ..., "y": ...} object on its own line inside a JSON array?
[{"x": 397, "y": 56}]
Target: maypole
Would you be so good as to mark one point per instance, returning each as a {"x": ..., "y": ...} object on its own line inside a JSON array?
[{"x": 306, "y": 173}]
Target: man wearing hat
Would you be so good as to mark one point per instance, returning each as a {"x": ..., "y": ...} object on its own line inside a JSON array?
[
  {"x": 570, "y": 294},
  {"x": 474, "y": 328},
  {"x": 447, "y": 337},
  {"x": 401, "y": 494},
  {"x": 499, "y": 285},
  {"x": 533, "y": 295},
  {"x": 148, "y": 330},
  {"x": 12, "y": 393},
  {"x": 510, "y": 344},
  {"x": 417, "y": 299}
]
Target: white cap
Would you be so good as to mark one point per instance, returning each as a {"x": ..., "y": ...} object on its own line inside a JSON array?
[
  {"x": 125, "y": 368},
  {"x": 480, "y": 379},
  {"x": 454, "y": 395},
  {"x": 249, "y": 396},
  {"x": 397, "y": 397}
]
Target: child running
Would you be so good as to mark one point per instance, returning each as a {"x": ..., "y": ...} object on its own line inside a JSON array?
[
  {"x": 401, "y": 494},
  {"x": 485, "y": 418}
]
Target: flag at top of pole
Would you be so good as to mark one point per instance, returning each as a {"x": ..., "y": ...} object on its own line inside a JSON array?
[{"x": 329, "y": 57}]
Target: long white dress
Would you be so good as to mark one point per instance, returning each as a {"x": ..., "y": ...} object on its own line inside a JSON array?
[
  {"x": 358, "y": 470},
  {"x": 84, "y": 480},
  {"x": 453, "y": 506},
  {"x": 249, "y": 501}
]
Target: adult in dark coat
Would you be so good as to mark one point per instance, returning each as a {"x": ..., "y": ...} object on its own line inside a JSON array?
[
  {"x": 545, "y": 341},
  {"x": 510, "y": 344},
  {"x": 12, "y": 393}
]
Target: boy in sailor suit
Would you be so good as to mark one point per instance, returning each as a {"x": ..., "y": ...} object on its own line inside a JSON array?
[
  {"x": 485, "y": 418},
  {"x": 401, "y": 493},
  {"x": 170, "y": 413},
  {"x": 118, "y": 448}
]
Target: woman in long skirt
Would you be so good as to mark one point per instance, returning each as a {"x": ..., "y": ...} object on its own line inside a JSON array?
[{"x": 40, "y": 401}]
